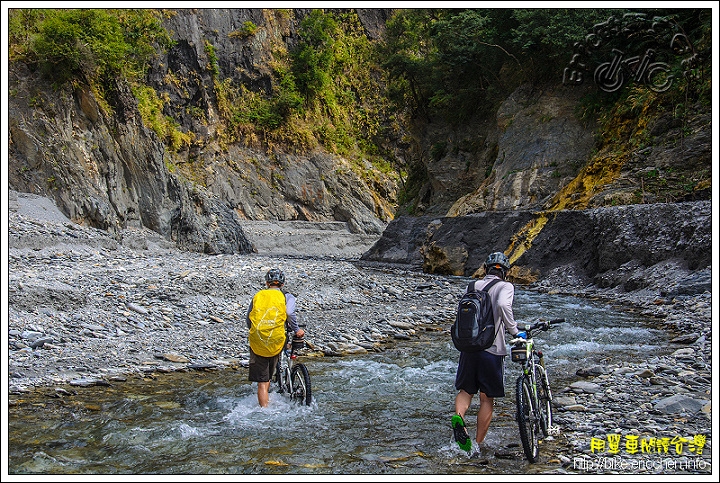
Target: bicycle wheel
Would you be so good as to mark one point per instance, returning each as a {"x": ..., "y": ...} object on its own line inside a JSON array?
[
  {"x": 301, "y": 390},
  {"x": 545, "y": 399},
  {"x": 525, "y": 416}
]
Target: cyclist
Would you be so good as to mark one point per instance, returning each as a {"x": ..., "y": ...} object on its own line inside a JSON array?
[
  {"x": 482, "y": 372},
  {"x": 269, "y": 312}
]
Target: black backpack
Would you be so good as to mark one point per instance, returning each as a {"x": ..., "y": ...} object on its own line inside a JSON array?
[{"x": 474, "y": 327}]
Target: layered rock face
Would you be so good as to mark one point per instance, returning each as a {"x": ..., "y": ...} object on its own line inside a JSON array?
[
  {"x": 539, "y": 145},
  {"x": 535, "y": 146},
  {"x": 259, "y": 182},
  {"x": 108, "y": 172},
  {"x": 105, "y": 169},
  {"x": 617, "y": 247}
]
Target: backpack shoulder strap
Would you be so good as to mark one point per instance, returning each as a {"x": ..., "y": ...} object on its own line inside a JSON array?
[{"x": 487, "y": 287}]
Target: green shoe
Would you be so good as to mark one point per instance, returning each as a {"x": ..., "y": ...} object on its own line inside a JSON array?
[{"x": 461, "y": 435}]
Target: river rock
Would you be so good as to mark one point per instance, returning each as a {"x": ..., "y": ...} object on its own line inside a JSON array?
[
  {"x": 563, "y": 401},
  {"x": 685, "y": 339},
  {"x": 175, "y": 358},
  {"x": 680, "y": 404},
  {"x": 684, "y": 353},
  {"x": 585, "y": 387},
  {"x": 87, "y": 382},
  {"x": 595, "y": 370}
]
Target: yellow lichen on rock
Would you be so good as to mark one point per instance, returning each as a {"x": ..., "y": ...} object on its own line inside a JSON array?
[
  {"x": 576, "y": 195},
  {"x": 523, "y": 239},
  {"x": 522, "y": 275},
  {"x": 445, "y": 260}
]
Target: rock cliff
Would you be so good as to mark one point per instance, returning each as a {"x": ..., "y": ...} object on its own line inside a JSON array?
[
  {"x": 509, "y": 181},
  {"x": 105, "y": 169},
  {"x": 108, "y": 172},
  {"x": 628, "y": 248},
  {"x": 536, "y": 153}
]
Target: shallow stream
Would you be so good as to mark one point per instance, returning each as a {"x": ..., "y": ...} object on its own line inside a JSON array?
[{"x": 374, "y": 414}]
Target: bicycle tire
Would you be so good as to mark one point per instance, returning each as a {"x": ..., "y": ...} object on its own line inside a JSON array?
[
  {"x": 525, "y": 416},
  {"x": 301, "y": 389},
  {"x": 544, "y": 398}
]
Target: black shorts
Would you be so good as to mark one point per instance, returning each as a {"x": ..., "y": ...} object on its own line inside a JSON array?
[
  {"x": 481, "y": 371},
  {"x": 261, "y": 369}
]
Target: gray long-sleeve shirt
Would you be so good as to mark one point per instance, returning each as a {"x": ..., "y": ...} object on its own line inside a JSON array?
[{"x": 501, "y": 295}]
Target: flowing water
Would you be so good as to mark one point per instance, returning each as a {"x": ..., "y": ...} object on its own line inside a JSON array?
[{"x": 375, "y": 414}]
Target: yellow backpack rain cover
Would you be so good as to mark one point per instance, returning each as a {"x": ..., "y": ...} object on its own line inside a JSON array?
[{"x": 267, "y": 323}]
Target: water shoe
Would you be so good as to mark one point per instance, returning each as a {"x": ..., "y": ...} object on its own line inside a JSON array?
[{"x": 460, "y": 432}]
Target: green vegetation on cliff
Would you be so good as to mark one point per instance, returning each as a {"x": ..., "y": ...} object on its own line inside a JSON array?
[
  {"x": 91, "y": 45},
  {"x": 456, "y": 64},
  {"x": 96, "y": 47},
  {"x": 335, "y": 88}
]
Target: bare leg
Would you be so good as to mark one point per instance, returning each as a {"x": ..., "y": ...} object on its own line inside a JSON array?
[
  {"x": 484, "y": 416},
  {"x": 462, "y": 402},
  {"x": 262, "y": 393}
]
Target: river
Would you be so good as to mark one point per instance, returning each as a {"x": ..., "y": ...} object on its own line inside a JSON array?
[{"x": 382, "y": 413}]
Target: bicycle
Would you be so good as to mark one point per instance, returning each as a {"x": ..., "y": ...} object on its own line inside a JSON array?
[
  {"x": 293, "y": 377},
  {"x": 533, "y": 396}
]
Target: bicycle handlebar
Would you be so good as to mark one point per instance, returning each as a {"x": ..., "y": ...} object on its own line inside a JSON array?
[
  {"x": 543, "y": 324},
  {"x": 539, "y": 325}
]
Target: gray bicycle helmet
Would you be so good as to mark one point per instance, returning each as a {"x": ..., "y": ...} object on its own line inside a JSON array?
[
  {"x": 274, "y": 276},
  {"x": 497, "y": 260}
]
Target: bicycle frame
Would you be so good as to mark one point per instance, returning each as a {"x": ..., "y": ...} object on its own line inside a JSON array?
[
  {"x": 533, "y": 358},
  {"x": 285, "y": 364},
  {"x": 534, "y": 407},
  {"x": 529, "y": 364},
  {"x": 528, "y": 370},
  {"x": 293, "y": 378}
]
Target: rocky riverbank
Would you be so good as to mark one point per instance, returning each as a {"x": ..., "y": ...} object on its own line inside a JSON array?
[{"x": 86, "y": 309}]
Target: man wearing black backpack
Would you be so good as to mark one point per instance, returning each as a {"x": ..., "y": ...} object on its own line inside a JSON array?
[{"x": 483, "y": 372}]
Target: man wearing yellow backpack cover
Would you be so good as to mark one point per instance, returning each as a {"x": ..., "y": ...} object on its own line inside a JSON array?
[{"x": 270, "y": 309}]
